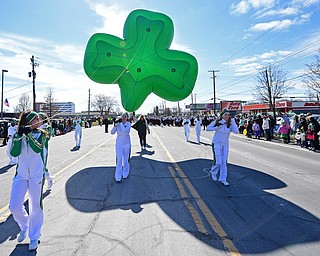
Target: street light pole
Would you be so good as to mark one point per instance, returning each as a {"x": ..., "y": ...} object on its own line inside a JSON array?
[{"x": 2, "y": 78}]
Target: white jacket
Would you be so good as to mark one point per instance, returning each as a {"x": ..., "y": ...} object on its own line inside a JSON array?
[
  {"x": 30, "y": 164},
  {"x": 123, "y": 133},
  {"x": 198, "y": 124},
  {"x": 222, "y": 132},
  {"x": 186, "y": 124}
]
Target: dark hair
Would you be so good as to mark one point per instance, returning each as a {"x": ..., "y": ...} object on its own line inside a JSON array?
[
  {"x": 23, "y": 119},
  {"x": 228, "y": 122}
]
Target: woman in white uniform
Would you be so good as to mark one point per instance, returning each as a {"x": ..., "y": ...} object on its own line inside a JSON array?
[
  {"x": 78, "y": 132},
  {"x": 198, "y": 122},
  {"x": 123, "y": 147},
  {"x": 28, "y": 145},
  {"x": 186, "y": 127},
  {"x": 223, "y": 126}
]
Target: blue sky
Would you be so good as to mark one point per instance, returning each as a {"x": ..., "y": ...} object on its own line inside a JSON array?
[{"x": 236, "y": 37}]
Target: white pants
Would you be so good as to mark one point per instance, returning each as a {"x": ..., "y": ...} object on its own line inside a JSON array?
[
  {"x": 220, "y": 158},
  {"x": 34, "y": 220},
  {"x": 187, "y": 133},
  {"x": 198, "y": 135},
  {"x": 123, "y": 157},
  {"x": 77, "y": 136},
  {"x": 12, "y": 159}
]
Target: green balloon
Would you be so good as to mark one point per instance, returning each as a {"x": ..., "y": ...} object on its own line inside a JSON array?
[{"x": 141, "y": 62}]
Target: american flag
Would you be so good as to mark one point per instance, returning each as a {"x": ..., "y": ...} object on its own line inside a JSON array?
[{"x": 6, "y": 102}]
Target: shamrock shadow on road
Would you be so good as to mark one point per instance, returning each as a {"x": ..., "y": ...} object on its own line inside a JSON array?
[{"x": 254, "y": 219}]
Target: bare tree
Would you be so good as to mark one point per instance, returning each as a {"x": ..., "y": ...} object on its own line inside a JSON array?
[
  {"x": 24, "y": 104},
  {"x": 104, "y": 104},
  {"x": 99, "y": 103},
  {"x": 49, "y": 107},
  {"x": 112, "y": 104},
  {"x": 312, "y": 75},
  {"x": 271, "y": 84}
]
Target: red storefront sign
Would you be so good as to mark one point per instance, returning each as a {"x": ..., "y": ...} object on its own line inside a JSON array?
[{"x": 231, "y": 105}]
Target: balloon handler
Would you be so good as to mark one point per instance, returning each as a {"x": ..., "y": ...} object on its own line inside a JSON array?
[
  {"x": 123, "y": 147},
  {"x": 142, "y": 127},
  {"x": 27, "y": 145},
  {"x": 223, "y": 126}
]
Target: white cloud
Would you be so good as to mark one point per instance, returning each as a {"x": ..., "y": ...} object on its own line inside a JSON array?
[
  {"x": 113, "y": 18},
  {"x": 273, "y": 25},
  {"x": 245, "y": 6},
  {"x": 247, "y": 65},
  {"x": 279, "y": 12}
]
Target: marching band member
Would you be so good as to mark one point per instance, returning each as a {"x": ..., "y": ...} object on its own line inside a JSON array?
[
  {"x": 186, "y": 127},
  {"x": 198, "y": 128},
  {"x": 222, "y": 126},
  {"x": 123, "y": 147},
  {"x": 77, "y": 131},
  {"x": 28, "y": 145}
]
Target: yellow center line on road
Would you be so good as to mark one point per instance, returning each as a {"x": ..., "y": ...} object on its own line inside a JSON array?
[
  {"x": 229, "y": 245},
  {"x": 5, "y": 212},
  {"x": 195, "y": 216}
]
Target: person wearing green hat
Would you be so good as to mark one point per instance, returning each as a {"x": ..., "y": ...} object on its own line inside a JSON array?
[
  {"x": 48, "y": 131},
  {"x": 27, "y": 145},
  {"x": 222, "y": 127}
]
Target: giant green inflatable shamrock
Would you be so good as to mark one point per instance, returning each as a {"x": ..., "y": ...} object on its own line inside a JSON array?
[{"x": 141, "y": 63}]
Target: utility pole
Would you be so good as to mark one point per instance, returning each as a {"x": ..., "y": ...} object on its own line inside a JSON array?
[
  {"x": 192, "y": 107},
  {"x": 2, "y": 79},
  {"x": 33, "y": 75},
  {"x": 214, "y": 88},
  {"x": 89, "y": 105},
  {"x": 179, "y": 108}
]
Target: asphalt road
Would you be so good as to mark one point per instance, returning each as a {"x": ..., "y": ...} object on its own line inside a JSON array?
[{"x": 169, "y": 205}]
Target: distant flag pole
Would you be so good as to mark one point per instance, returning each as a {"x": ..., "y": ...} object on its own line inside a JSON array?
[{"x": 6, "y": 102}]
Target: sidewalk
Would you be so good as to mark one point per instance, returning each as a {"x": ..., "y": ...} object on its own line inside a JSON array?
[{"x": 279, "y": 142}]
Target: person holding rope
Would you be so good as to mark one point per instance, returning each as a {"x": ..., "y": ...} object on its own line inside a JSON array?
[
  {"x": 123, "y": 147},
  {"x": 48, "y": 129},
  {"x": 27, "y": 145},
  {"x": 223, "y": 126},
  {"x": 142, "y": 127}
]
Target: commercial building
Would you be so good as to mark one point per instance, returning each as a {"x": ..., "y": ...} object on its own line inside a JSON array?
[
  {"x": 283, "y": 107},
  {"x": 56, "y": 107}
]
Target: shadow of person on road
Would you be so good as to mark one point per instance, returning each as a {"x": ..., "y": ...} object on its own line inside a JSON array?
[
  {"x": 256, "y": 220},
  {"x": 6, "y": 168}
]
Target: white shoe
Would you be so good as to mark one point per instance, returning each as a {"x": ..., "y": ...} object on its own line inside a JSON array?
[
  {"x": 224, "y": 182},
  {"x": 214, "y": 177},
  {"x": 22, "y": 236},
  {"x": 33, "y": 245}
]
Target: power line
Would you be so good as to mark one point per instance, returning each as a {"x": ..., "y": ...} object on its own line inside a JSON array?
[
  {"x": 293, "y": 13},
  {"x": 17, "y": 87}
]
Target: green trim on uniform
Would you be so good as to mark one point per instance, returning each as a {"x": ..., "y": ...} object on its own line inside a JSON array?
[
  {"x": 214, "y": 154},
  {"x": 41, "y": 195},
  {"x": 36, "y": 144},
  {"x": 15, "y": 149}
]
